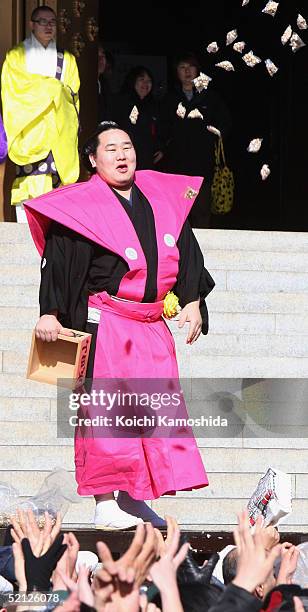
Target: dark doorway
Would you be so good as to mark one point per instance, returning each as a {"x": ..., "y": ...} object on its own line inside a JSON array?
[{"x": 273, "y": 108}]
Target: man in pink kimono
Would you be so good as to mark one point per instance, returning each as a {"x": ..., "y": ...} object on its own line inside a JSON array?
[{"x": 112, "y": 248}]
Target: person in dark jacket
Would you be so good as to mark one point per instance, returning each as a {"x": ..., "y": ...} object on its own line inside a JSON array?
[
  {"x": 136, "y": 109},
  {"x": 189, "y": 146},
  {"x": 104, "y": 73}
]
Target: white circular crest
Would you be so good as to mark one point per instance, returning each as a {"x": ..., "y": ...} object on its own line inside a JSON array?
[
  {"x": 28, "y": 168},
  {"x": 53, "y": 166},
  {"x": 43, "y": 167},
  {"x": 59, "y": 69},
  {"x": 169, "y": 240},
  {"x": 44, "y": 262},
  {"x": 131, "y": 253}
]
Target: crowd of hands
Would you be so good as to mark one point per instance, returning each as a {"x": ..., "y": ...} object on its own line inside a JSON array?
[{"x": 45, "y": 560}]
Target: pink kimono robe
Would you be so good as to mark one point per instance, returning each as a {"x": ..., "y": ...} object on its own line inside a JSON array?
[{"x": 133, "y": 340}]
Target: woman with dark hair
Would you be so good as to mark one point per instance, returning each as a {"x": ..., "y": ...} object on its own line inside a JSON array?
[
  {"x": 112, "y": 248},
  {"x": 136, "y": 109},
  {"x": 190, "y": 146}
]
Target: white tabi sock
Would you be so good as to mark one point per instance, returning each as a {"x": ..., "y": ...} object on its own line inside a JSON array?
[
  {"x": 139, "y": 508},
  {"x": 108, "y": 515}
]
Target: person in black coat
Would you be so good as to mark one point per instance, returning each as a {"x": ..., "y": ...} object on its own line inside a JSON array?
[
  {"x": 136, "y": 110},
  {"x": 104, "y": 67},
  {"x": 189, "y": 146}
]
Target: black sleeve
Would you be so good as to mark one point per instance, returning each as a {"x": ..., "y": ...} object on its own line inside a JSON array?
[
  {"x": 236, "y": 599},
  {"x": 64, "y": 269},
  {"x": 193, "y": 281},
  {"x": 52, "y": 288}
]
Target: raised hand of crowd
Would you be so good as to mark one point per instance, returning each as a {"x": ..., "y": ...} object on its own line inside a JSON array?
[{"x": 45, "y": 562}]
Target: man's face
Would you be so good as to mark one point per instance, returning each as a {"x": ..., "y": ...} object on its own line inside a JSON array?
[
  {"x": 186, "y": 72},
  {"x": 44, "y": 27},
  {"x": 115, "y": 159}
]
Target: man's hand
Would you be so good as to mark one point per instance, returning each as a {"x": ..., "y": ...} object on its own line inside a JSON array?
[
  {"x": 289, "y": 558},
  {"x": 133, "y": 566},
  {"x": 122, "y": 579},
  {"x": 270, "y": 537},
  {"x": 191, "y": 313},
  {"x": 172, "y": 527},
  {"x": 66, "y": 565},
  {"x": 81, "y": 586},
  {"x": 298, "y": 606},
  {"x": 19, "y": 566},
  {"x": 25, "y": 526},
  {"x": 163, "y": 571},
  {"x": 254, "y": 563},
  {"x": 48, "y": 328}
]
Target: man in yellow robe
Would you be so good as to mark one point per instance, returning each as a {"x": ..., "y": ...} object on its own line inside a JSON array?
[{"x": 40, "y": 85}]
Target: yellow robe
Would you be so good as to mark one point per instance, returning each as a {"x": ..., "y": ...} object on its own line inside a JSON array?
[{"x": 39, "y": 116}]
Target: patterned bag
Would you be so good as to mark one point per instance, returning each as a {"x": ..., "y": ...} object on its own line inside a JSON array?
[{"x": 223, "y": 183}]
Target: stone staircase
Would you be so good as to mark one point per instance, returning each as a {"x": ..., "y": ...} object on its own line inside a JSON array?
[{"x": 258, "y": 329}]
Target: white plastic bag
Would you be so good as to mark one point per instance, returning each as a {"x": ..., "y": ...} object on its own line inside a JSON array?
[
  {"x": 56, "y": 493},
  {"x": 272, "y": 498}
]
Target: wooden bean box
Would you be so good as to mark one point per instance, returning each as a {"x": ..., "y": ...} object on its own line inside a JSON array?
[{"x": 63, "y": 362}]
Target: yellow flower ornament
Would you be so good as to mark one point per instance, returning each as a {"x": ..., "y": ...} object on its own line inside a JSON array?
[{"x": 171, "y": 305}]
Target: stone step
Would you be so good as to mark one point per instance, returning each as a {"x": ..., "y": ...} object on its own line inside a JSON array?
[
  {"x": 224, "y": 240},
  {"x": 19, "y": 409},
  {"x": 232, "y": 259},
  {"x": 190, "y": 365},
  {"x": 245, "y": 367},
  {"x": 12, "y": 386},
  {"x": 206, "y": 511},
  {"x": 210, "y": 347},
  {"x": 264, "y": 282},
  {"x": 207, "y": 515},
  {"x": 18, "y": 318},
  {"x": 20, "y": 296},
  {"x": 297, "y": 533},
  {"x": 265, "y": 345},
  {"x": 235, "y": 486},
  {"x": 31, "y": 434},
  {"x": 236, "y": 460},
  {"x": 221, "y": 322},
  {"x": 209, "y": 240},
  {"x": 19, "y": 254},
  {"x": 240, "y": 281},
  {"x": 198, "y": 513},
  {"x": 241, "y": 302},
  {"x": 218, "y": 300},
  {"x": 19, "y": 275},
  {"x": 15, "y": 340},
  {"x": 222, "y": 486},
  {"x": 217, "y": 504},
  {"x": 14, "y": 232}
]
